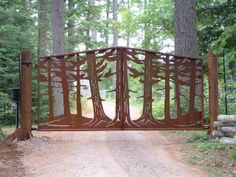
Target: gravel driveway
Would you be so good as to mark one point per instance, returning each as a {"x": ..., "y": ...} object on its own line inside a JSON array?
[{"x": 103, "y": 154}]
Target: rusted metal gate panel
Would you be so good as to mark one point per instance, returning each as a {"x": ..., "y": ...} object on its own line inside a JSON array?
[{"x": 176, "y": 80}]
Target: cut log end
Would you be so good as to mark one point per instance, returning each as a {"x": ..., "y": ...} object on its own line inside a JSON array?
[
  {"x": 228, "y": 129},
  {"x": 226, "y": 118},
  {"x": 226, "y": 140},
  {"x": 217, "y": 133}
]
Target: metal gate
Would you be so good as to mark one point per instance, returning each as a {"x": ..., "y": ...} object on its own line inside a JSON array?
[{"x": 167, "y": 89}]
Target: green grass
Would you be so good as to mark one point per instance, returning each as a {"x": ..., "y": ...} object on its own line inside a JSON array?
[
  {"x": 5, "y": 131},
  {"x": 219, "y": 159}
]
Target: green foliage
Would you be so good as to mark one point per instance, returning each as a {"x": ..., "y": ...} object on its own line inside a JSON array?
[
  {"x": 146, "y": 23},
  {"x": 2, "y": 135},
  {"x": 15, "y": 35},
  {"x": 158, "y": 108},
  {"x": 206, "y": 146},
  {"x": 149, "y": 21},
  {"x": 198, "y": 136},
  {"x": 217, "y": 32}
]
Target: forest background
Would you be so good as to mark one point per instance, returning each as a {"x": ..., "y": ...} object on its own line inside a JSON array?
[{"x": 91, "y": 24}]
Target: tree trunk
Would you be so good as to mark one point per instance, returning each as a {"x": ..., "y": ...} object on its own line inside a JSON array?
[
  {"x": 43, "y": 23},
  {"x": 147, "y": 118},
  {"x": 57, "y": 18},
  {"x": 71, "y": 26},
  {"x": 115, "y": 36},
  {"x": 115, "y": 17},
  {"x": 185, "y": 28},
  {"x": 99, "y": 114},
  {"x": 186, "y": 43},
  {"x": 93, "y": 31},
  {"x": 128, "y": 34},
  {"x": 107, "y": 13},
  {"x": 43, "y": 20},
  {"x": 147, "y": 29},
  {"x": 167, "y": 89}
]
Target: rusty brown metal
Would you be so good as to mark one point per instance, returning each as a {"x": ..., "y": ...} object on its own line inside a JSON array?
[
  {"x": 177, "y": 80},
  {"x": 26, "y": 90},
  {"x": 213, "y": 90}
]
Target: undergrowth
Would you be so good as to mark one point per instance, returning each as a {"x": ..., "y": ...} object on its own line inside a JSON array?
[
  {"x": 2, "y": 134},
  {"x": 211, "y": 153}
]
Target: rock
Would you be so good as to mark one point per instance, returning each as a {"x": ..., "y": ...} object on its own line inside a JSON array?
[
  {"x": 226, "y": 140},
  {"x": 226, "y": 118},
  {"x": 228, "y": 129},
  {"x": 217, "y": 133}
]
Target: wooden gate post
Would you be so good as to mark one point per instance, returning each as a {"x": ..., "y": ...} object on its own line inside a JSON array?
[
  {"x": 24, "y": 132},
  {"x": 213, "y": 90}
]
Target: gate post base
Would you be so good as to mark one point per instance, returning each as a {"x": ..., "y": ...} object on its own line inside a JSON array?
[{"x": 20, "y": 134}]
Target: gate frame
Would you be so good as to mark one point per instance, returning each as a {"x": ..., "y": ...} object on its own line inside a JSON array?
[
  {"x": 141, "y": 128},
  {"x": 24, "y": 132}
]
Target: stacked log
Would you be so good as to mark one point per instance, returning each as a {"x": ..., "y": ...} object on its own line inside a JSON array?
[{"x": 225, "y": 129}]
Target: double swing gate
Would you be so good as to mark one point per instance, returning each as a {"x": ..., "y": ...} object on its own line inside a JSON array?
[{"x": 119, "y": 88}]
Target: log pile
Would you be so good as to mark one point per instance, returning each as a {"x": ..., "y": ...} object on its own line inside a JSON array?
[{"x": 225, "y": 129}]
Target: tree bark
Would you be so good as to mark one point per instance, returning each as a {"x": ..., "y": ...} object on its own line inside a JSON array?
[
  {"x": 99, "y": 114},
  {"x": 115, "y": 35},
  {"x": 115, "y": 17},
  {"x": 43, "y": 20},
  {"x": 107, "y": 18},
  {"x": 93, "y": 31},
  {"x": 185, "y": 28},
  {"x": 71, "y": 26},
  {"x": 128, "y": 34},
  {"x": 147, "y": 29},
  {"x": 57, "y": 22},
  {"x": 43, "y": 23},
  {"x": 186, "y": 44}
]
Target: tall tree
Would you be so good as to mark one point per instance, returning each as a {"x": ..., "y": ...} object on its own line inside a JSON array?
[
  {"x": 71, "y": 25},
  {"x": 185, "y": 28},
  {"x": 128, "y": 34},
  {"x": 107, "y": 25},
  {"x": 115, "y": 18},
  {"x": 43, "y": 20},
  {"x": 115, "y": 34},
  {"x": 57, "y": 18},
  {"x": 93, "y": 31},
  {"x": 185, "y": 44},
  {"x": 58, "y": 36}
]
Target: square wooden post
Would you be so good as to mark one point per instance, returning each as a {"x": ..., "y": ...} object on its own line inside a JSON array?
[{"x": 213, "y": 90}]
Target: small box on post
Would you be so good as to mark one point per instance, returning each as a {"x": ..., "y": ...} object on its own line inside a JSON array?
[
  {"x": 16, "y": 98},
  {"x": 16, "y": 94}
]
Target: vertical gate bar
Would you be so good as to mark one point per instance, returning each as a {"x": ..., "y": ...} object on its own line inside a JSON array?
[
  {"x": 192, "y": 89},
  {"x": 18, "y": 100},
  {"x": 167, "y": 88},
  {"x": 127, "y": 122},
  {"x": 202, "y": 95},
  {"x": 38, "y": 90},
  {"x": 78, "y": 91},
  {"x": 26, "y": 90},
  {"x": 225, "y": 86},
  {"x": 50, "y": 92},
  {"x": 213, "y": 89},
  {"x": 121, "y": 58}
]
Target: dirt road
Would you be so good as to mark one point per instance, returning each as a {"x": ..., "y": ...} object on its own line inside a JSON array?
[{"x": 103, "y": 154}]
